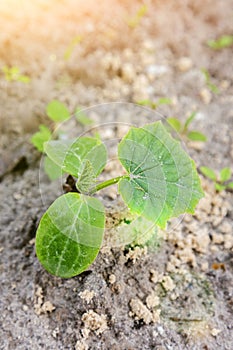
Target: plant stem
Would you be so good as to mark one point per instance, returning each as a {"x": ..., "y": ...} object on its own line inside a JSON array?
[{"x": 107, "y": 183}]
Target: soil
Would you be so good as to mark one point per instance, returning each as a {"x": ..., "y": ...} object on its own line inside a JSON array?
[{"x": 175, "y": 293}]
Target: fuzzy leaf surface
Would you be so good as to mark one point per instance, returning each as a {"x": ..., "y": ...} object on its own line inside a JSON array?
[
  {"x": 70, "y": 234},
  {"x": 70, "y": 155},
  {"x": 162, "y": 180}
]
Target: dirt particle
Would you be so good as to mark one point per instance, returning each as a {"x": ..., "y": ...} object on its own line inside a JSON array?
[
  {"x": 168, "y": 283},
  {"x": 136, "y": 253},
  {"x": 87, "y": 295},
  {"x": 184, "y": 64},
  {"x": 154, "y": 276},
  {"x": 140, "y": 311},
  {"x": 214, "y": 332},
  {"x": 81, "y": 345},
  {"x": 40, "y": 306},
  {"x": 95, "y": 322},
  {"x": 112, "y": 279},
  {"x": 152, "y": 300},
  {"x": 205, "y": 95}
]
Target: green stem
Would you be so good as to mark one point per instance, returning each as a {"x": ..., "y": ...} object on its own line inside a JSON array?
[{"x": 107, "y": 183}]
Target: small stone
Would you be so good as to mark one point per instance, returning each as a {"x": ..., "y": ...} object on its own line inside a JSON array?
[
  {"x": 47, "y": 307},
  {"x": 154, "y": 276},
  {"x": 140, "y": 311},
  {"x": 214, "y": 332},
  {"x": 204, "y": 266},
  {"x": 228, "y": 241},
  {"x": 152, "y": 300},
  {"x": 81, "y": 345},
  {"x": 205, "y": 95},
  {"x": 87, "y": 295},
  {"x": 95, "y": 322},
  {"x": 112, "y": 279},
  {"x": 168, "y": 283},
  {"x": 217, "y": 238},
  {"x": 184, "y": 64}
]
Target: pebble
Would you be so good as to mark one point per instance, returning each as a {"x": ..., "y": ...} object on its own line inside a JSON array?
[
  {"x": 184, "y": 64},
  {"x": 205, "y": 95}
]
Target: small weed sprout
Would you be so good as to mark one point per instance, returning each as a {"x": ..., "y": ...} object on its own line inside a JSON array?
[
  {"x": 211, "y": 86},
  {"x": 222, "y": 42},
  {"x": 135, "y": 20},
  {"x": 13, "y": 74},
  {"x": 221, "y": 180},
  {"x": 183, "y": 129},
  {"x": 153, "y": 104},
  {"x": 159, "y": 182}
]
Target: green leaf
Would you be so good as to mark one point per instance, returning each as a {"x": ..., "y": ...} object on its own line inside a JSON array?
[
  {"x": 56, "y": 150},
  {"x": 175, "y": 123},
  {"x": 164, "y": 101},
  {"x": 219, "y": 187},
  {"x": 82, "y": 118},
  {"x": 71, "y": 47},
  {"x": 196, "y": 136},
  {"x": 148, "y": 103},
  {"x": 71, "y": 154},
  {"x": 221, "y": 43},
  {"x": 162, "y": 180},
  {"x": 230, "y": 185},
  {"x": 57, "y": 111},
  {"x": 70, "y": 234},
  {"x": 40, "y": 137},
  {"x": 52, "y": 169},
  {"x": 189, "y": 120},
  {"x": 208, "y": 172},
  {"x": 225, "y": 174},
  {"x": 86, "y": 178}
]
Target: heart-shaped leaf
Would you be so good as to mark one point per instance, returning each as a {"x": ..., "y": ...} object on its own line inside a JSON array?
[
  {"x": 70, "y": 234},
  {"x": 162, "y": 180}
]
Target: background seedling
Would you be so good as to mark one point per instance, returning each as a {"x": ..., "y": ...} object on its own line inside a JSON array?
[
  {"x": 72, "y": 46},
  {"x": 159, "y": 181},
  {"x": 57, "y": 112},
  {"x": 221, "y": 180},
  {"x": 212, "y": 87},
  {"x": 222, "y": 42},
  {"x": 134, "y": 21},
  {"x": 183, "y": 129},
  {"x": 153, "y": 104},
  {"x": 13, "y": 74}
]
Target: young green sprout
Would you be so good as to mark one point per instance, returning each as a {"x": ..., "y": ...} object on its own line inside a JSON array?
[
  {"x": 57, "y": 112},
  {"x": 183, "y": 129},
  {"x": 221, "y": 180},
  {"x": 159, "y": 182},
  {"x": 13, "y": 74},
  {"x": 222, "y": 42},
  {"x": 153, "y": 104},
  {"x": 211, "y": 86},
  {"x": 135, "y": 20}
]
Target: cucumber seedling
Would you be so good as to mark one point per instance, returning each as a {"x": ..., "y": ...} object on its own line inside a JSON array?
[{"x": 159, "y": 182}]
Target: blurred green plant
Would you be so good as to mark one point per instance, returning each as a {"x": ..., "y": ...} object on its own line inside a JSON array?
[
  {"x": 70, "y": 48},
  {"x": 13, "y": 74},
  {"x": 221, "y": 43},
  {"x": 212, "y": 87},
  {"x": 221, "y": 180},
  {"x": 135, "y": 20},
  {"x": 183, "y": 129},
  {"x": 155, "y": 104}
]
